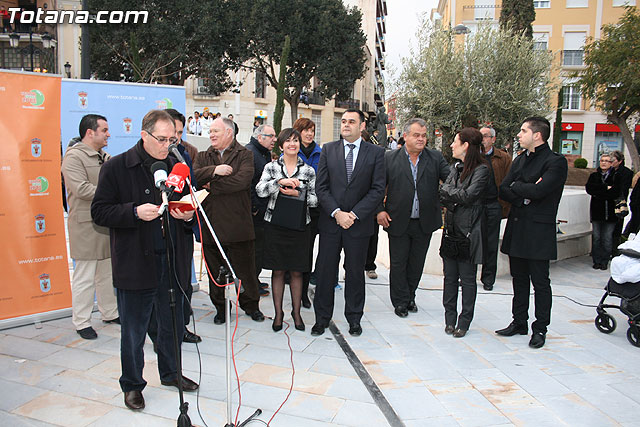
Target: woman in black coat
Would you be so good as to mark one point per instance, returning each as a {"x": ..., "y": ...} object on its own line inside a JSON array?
[
  {"x": 604, "y": 190},
  {"x": 462, "y": 195}
]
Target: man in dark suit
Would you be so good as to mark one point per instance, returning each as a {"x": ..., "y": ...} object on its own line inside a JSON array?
[
  {"x": 350, "y": 185},
  {"x": 411, "y": 211},
  {"x": 534, "y": 187}
]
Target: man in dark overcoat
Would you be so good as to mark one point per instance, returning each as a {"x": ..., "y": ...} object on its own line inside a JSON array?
[{"x": 534, "y": 187}]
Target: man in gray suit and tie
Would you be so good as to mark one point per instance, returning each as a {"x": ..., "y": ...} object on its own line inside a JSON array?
[
  {"x": 349, "y": 186},
  {"x": 411, "y": 211}
]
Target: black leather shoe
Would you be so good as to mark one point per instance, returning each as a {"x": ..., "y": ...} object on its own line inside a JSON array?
[
  {"x": 513, "y": 329},
  {"x": 449, "y": 329},
  {"x": 298, "y": 325},
  {"x": 219, "y": 319},
  {"x": 487, "y": 287},
  {"x": 355, "y": 330},
  {"x": 277, "y": 326},
  {"x": 596, "y": 266},
  {"x": 257, "y": 316},
  {"x": 603, "y": 267},
  {"x": 306, "y": 302},
  {"x": 318, "y": 329},
  {"x": 88, "y": 333},
  {"x": 116, "y": 321},
  {"x": 412, "y": 307},
  {"x": 190, "y": 337},
  {"x": 187, "y": 384},
  {"x": 401, "y": 311},
  {"x": 537, "y": 340},
  {"x": 459, "y": 333},
  {"x": 133, "y": 399}
]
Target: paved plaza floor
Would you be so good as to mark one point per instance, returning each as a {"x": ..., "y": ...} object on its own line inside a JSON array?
[{"x": 401, "y": 371}]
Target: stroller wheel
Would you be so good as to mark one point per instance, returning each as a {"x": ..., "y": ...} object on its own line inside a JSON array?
[
  {"x": 605, "y": 323},
  {"x": 633, "y": 335}
]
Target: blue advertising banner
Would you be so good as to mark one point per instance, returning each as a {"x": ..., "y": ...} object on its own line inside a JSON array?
[{"x": 123, "y": 104}]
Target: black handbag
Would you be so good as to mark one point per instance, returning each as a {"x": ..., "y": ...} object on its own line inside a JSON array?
[
  {"x": 291, "y": 212},
  {"x": 455, "y": 247},
  {"x": 621, "y": 207}
]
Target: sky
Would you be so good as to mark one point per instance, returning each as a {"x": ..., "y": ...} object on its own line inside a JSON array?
[{"x": 403, "y": 18}]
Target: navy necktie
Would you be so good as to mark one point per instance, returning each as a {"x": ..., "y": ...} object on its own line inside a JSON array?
[{"x": 350, "y": 161}]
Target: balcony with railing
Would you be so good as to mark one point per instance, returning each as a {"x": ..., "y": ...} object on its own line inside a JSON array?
[
  {"x": 572, "y": 58},
  {"x": 348, "y": 103},
  {"x": 312, "y": 97}
]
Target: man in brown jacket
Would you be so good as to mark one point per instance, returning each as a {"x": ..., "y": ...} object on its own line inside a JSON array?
[
  {"x": 495, "y": 209},
  {"x": 89, "y": 242},
  {"x": 226, "y": 170}
]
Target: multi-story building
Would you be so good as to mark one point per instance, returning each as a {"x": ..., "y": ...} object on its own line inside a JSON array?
[
  {"x": 256, "y": 100},
  {"x": 561, "y": 26}
]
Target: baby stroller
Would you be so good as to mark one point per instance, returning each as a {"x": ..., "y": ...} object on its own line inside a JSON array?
[
  {"x": 624, "y": 284},
  {"x": 629, "y": 294}
]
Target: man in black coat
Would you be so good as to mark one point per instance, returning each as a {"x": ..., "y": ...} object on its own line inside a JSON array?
[
  {"x": 350, "y": 186},
  {"x": 127, "y": 202},
  {"x": 261, "y": 144},
  {"x": 623, "y": 178},
  {"x": 534, "y": 187},
  {"x": 411, "y": 211}
]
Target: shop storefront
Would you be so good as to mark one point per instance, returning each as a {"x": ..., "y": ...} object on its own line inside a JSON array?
[
  {"x": 571, "y": 138},
  {"x": 608, "y": 138}
]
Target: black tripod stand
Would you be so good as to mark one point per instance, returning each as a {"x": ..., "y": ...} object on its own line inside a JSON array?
[{"x": 183, "y": 418}]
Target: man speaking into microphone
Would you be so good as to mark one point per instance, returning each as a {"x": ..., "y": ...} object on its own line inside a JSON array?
[{"x": 128, "y": 201}]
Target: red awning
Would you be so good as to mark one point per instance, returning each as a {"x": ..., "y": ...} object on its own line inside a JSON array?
[
  {"x": 601, "y": 127},
  {"x": 573, "y": 127},
  {"x": 637, "y": 128}
]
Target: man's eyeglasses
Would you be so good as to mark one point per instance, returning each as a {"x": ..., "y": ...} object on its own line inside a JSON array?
[
  {"x": 268, "y": 135},
  {"x": 163, "y": 140}
]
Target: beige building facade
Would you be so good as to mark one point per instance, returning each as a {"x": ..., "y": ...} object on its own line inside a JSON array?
[{"x": 561, "y": 26}]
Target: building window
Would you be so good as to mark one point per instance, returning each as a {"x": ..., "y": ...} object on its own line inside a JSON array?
[
  {"x": 577, "y": 3},
  {"x": 337, "y": 121},
  {"x": 542, "y": 4},
  {"x": 620, "y": 3},
  {"x": 541, "y": 41},
  {"x": 484, "y": 10},
  {"x": 316, "y": 116},
  {"x": 261, "y": 85},
  {"x": 573, "y": 48},
  {"x": 571, "y": 98}
]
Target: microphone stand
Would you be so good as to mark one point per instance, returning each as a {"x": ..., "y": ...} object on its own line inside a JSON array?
[
  {"x": 229, "y": 276},
  {"x": 183, "y": 418}
]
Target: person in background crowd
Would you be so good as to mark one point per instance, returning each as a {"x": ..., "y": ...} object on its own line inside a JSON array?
[
  {"x": 624, "y": 177},
  {"x": 400, "y": 143},
  {"x": 350, "y": 185},
  {"x": 604, "y": 191},
  {"x": 205, "y": 121},
  {"x": 235, "y": 125},
  {"x": 634, "y": 206},
  {"x": 88, "y": 242},
  {"x": 372, "y": 250},
  {"x": 410, "y": 212},
  {"x": 499, "y": 162},
  {"x": 261, "y": 145},
  {"x": 127, "y": 202},
  {"x": 195, "y": 125},
  {"x": 462, "y": 195},
  {"x": 533, "y": 186},
  {"x": 310, "y": 154},
  {"x": 225, "y": 170},
  {"x": 287, "y": 249}
]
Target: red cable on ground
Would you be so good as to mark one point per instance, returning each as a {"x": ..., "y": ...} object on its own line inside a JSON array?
[{"x": 293, "y": 374}]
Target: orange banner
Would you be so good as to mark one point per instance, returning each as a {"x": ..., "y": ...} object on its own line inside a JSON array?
[{"x": 34, "y": 269}]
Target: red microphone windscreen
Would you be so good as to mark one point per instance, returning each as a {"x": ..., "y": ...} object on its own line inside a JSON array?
[{"x": 181, "y": 169}]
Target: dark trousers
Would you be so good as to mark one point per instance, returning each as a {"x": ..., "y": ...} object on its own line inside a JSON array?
[
  {"x": 617, "y": 233},
  {"x": 135, "y": 308},
  {"x": 602, "y": 241},
  {"x": 523, "y": 272},
  {"x": 490, "y": 236},
  {"x": 372, "y": 250},
  {"x": 258, "y": 229},
  {"x": 242, "y": 258},
  {"x": 355, "y": 253},
  {"x": 314, "y": 214},
  {"x": 407, "y": 254},
  {"x": 459, "y": 274}
]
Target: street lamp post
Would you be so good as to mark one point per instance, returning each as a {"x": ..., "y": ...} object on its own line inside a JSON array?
[{"x": 47, "y": 41}]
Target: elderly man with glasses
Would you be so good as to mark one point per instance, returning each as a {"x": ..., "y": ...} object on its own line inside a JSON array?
[{"x": 127, "y": 201}]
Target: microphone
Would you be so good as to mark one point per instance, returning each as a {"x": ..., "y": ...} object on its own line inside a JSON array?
[
  {"x": 173, "y": 148},
  {"x": 159, "y": 170},
  {"x": 177, "y": 177}
]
